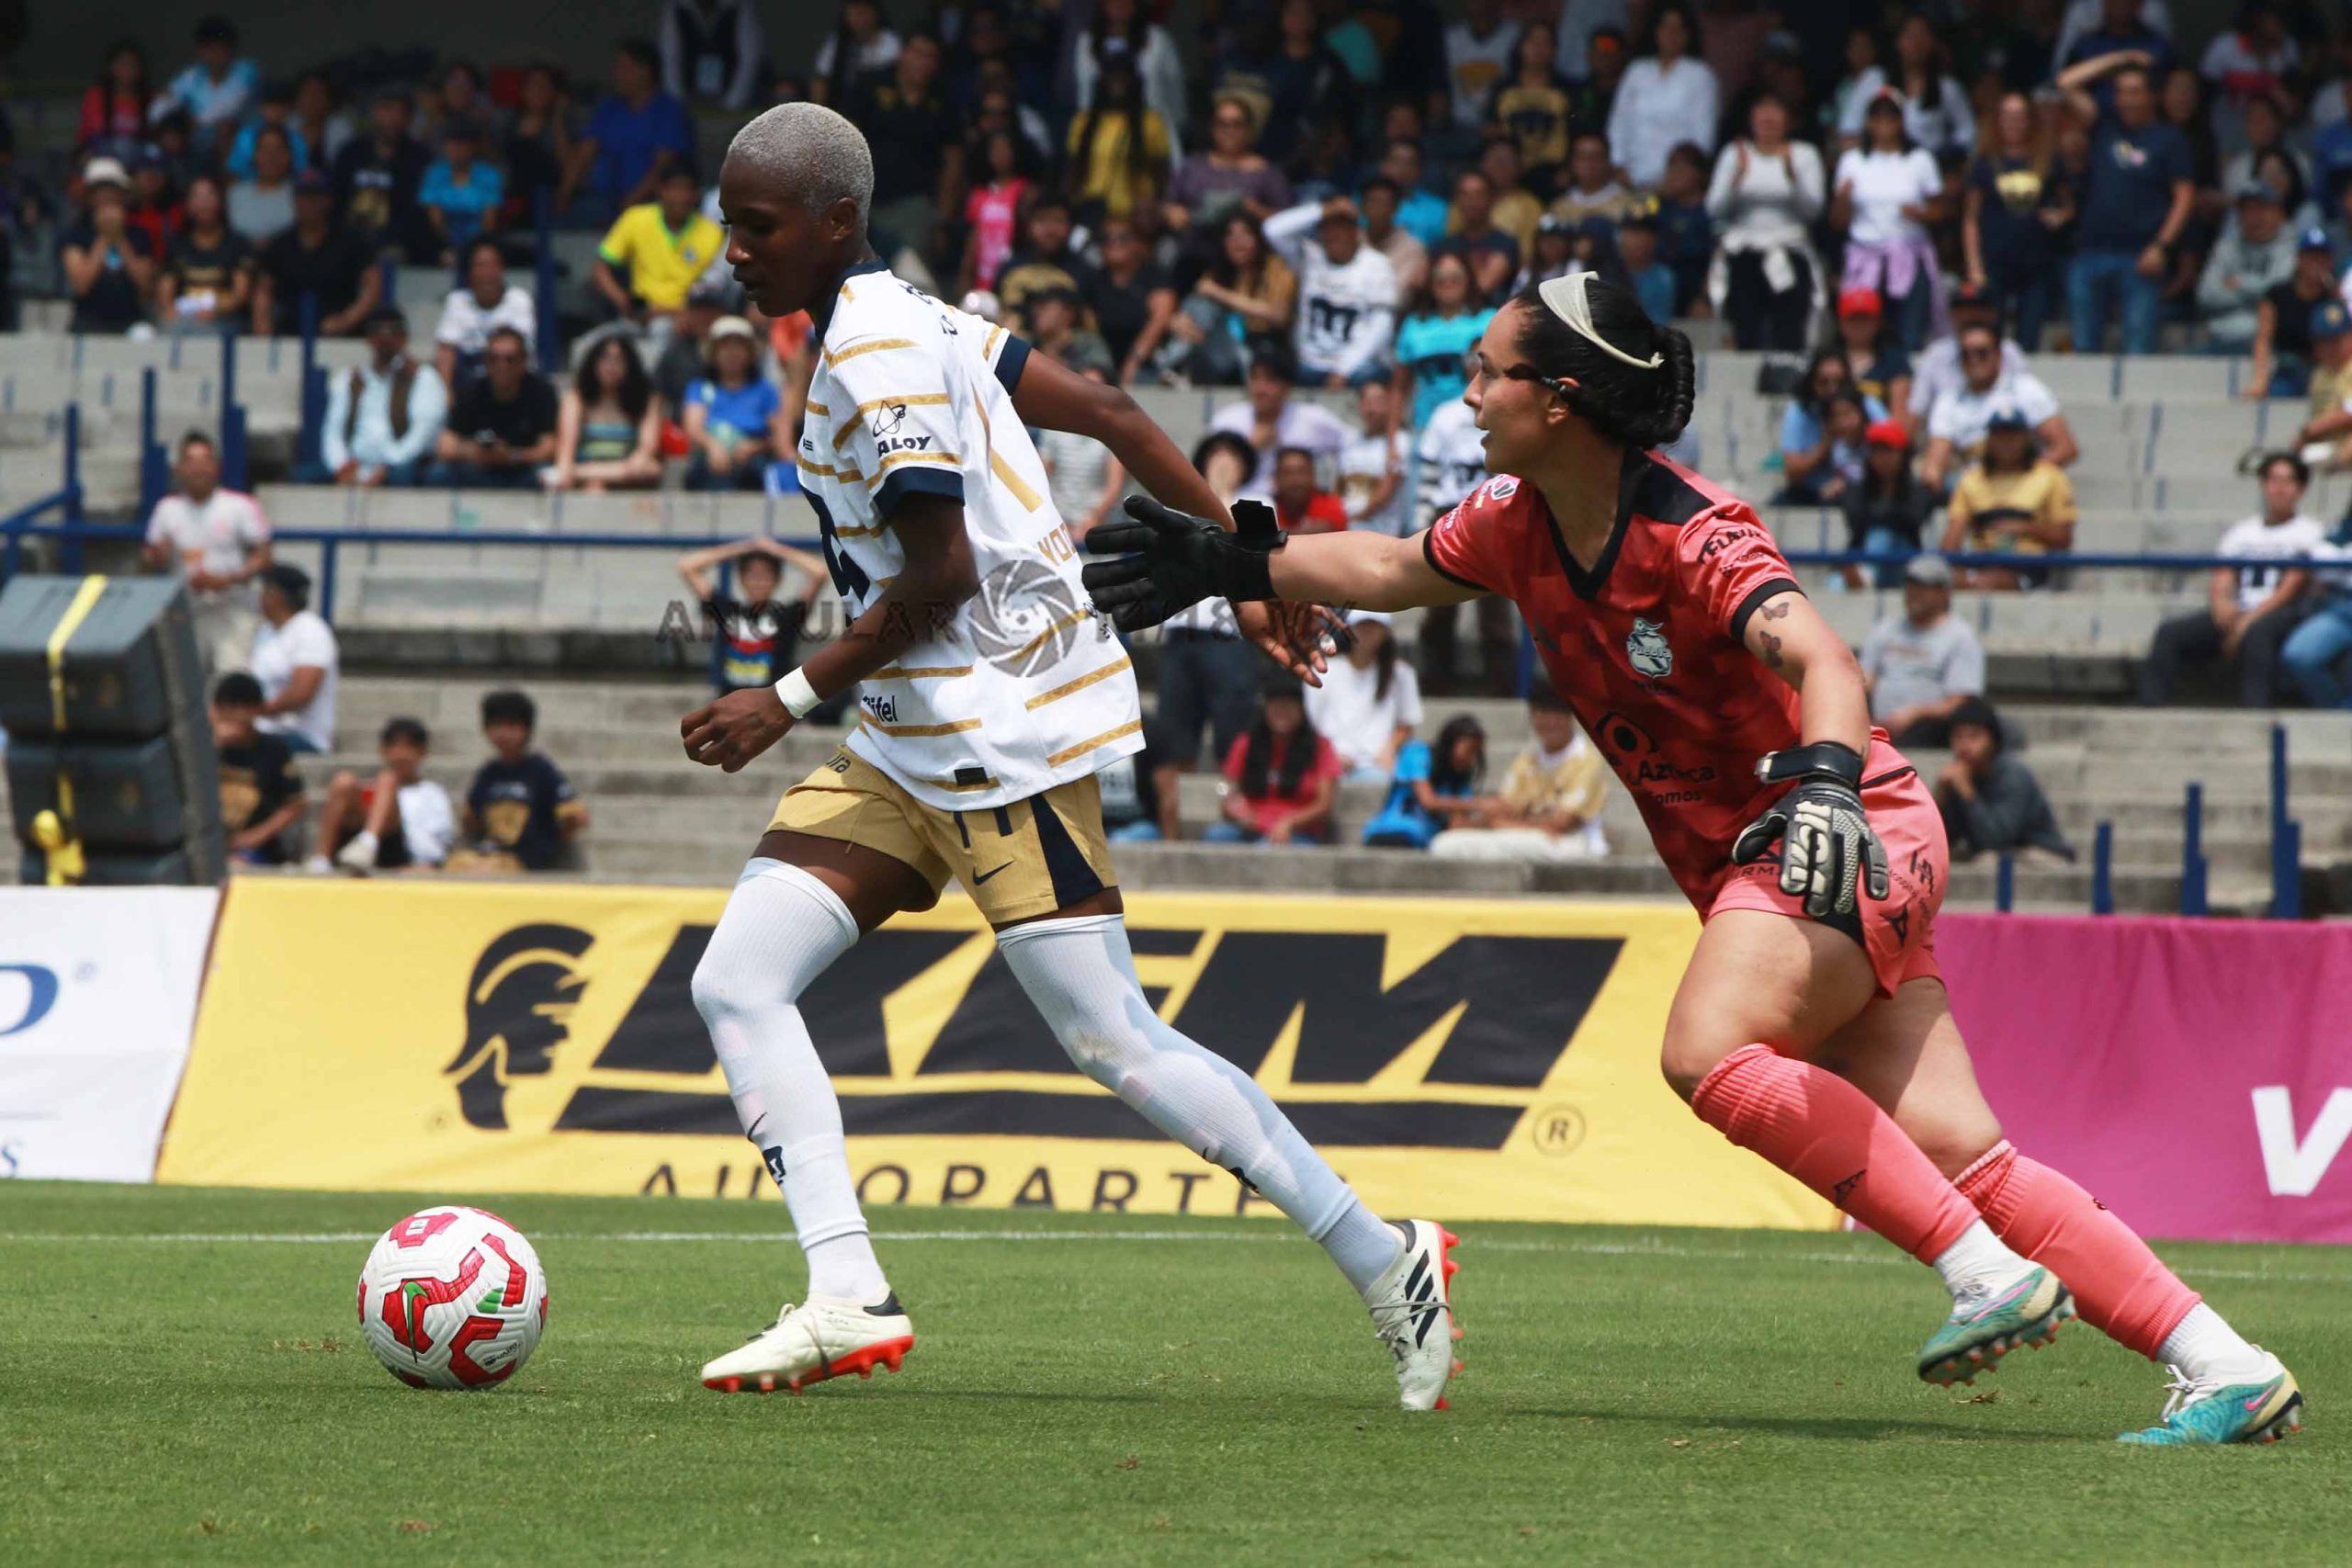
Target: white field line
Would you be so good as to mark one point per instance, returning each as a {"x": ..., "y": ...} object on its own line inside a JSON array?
[{"x": 1573, "y": 1248}]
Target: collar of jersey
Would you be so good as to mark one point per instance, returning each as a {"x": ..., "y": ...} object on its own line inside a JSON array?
[
  {"x": 821, "y": 313},
  {"x": 1589, "y": 584}
]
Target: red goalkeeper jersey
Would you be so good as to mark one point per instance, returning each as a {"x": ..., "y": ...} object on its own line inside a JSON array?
[{"x": 1647, "y": 647}]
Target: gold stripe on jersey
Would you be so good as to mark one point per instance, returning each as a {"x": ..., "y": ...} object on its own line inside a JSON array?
[
  {"x": 945, "y": 459},
  {"x": 915, "y": 400},
  {"x": 824, "y": 471},
  {"x": 920, "y": 731},
  {"x": 818, "y": 408},
  {"x": 1034, "y": 643},
  {"x": 1083, "y": 746},
  {"x": 877, "y": 347},
  {"x": 1029, "y": 499},
  {"x": 921, "y": 672},
  {"x": 988, "y": 347},
  {"x": 1067, "y": 687}
]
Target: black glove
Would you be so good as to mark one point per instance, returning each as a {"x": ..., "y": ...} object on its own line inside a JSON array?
[
  {"x": 1169, "y": 562},
  {"x": 1828, "y": 849}
]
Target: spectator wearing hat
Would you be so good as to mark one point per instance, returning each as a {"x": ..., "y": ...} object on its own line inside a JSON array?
[
  {"x": 217, "y": 89},
  {"x": 218, "y": 541},
  {"x": 733, "y": 415},
  {"x": 261, "y": 793},
  {"x": 2136, "y": 201},
  {"x": 384, "y": 417},
  {"x": 1269, "y": 418},
  {"x": 2251, "y": 610},
  {"x": 663, "y": 246},
  {"x": 1991, "y": 802},
  {"x": 461, "y": 194},
  {"x": 1936, "y": 369},
  {"x": 1882, "y": 367},
  {"x": 1957, "y": 425},
  {"x": 488, "y": 301},
  {"x": 1370, "y": 701},
  {"x": 109, "y": 261},
  {"x": 501, "y": 426},
  {"x": 1886, "y": 194},
  {"x": 2253, "y": 256},
  {"x": 295, "y": 661},
  {"x": 1887, "y": 510},
  {"x": 1765, "y": 195},
  {"x": 2011, "y": 500},
  {"x": 1434, "y": 789},
  {"x": 1347, "y": 293},
  {"x": 1280, "y": 776},
  {"x": 2281, "y": 349},
  {"x": 1923, "y": 664},
  {"x": 2013, "y": 208},
  {"x": 319, "y": 261},
  {"x": 377, "y": 177}
]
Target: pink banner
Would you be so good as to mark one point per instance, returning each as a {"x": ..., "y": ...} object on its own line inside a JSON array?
[{"x": 2195, "y": 1075}]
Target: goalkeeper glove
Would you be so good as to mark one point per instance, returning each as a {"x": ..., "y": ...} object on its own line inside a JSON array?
[
  {"x": 1829, "y": 854},
  {"x": 1167, "y": 561}
]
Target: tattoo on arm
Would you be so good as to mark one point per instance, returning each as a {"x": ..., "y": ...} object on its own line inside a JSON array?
[
  {"x": 1771, "y": 649},
  {"x": 1779, "y": 611}
]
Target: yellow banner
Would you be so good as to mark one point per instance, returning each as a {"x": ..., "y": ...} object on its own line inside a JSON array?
[{"x": 1464, "y": 1058}]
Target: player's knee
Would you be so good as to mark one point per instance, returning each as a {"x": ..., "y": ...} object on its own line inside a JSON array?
[{"x": 1687, "y": 1057}]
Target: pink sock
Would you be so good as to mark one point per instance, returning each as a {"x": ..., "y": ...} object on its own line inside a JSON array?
[
  {"x": 2123, "y": 1290},
  {"x": 1826, "y": 1133}
]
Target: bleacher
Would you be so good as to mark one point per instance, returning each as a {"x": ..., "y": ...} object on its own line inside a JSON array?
[{"x": 427, "y": 626}]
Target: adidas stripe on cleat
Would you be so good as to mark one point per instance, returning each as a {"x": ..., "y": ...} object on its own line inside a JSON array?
[
  {"x": 822, "y": 1339},
  {"x": 1412, "y": 1312}
]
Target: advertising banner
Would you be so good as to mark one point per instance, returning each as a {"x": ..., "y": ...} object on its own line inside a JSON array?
[
  {"x": 97, "y": 1003},
  {"x": 2195, "y": 1076},
  {"x": 1474, "y": 1059}
]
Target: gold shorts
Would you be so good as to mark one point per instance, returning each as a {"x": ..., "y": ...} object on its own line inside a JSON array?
[{"x": 1017, "y": 862}]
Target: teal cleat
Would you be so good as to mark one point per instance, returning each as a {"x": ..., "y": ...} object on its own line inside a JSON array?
[
  {"x": 1975, "y": 1338},
  {"x": 2260, "y": 1409}
]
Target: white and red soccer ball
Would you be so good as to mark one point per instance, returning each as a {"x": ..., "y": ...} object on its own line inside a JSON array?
[{"x": 453, "y": 1298}]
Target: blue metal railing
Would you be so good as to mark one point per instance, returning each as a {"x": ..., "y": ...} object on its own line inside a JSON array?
[{"x": 2286, "y": 838}]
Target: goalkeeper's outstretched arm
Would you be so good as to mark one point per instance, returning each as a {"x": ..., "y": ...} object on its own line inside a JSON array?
[{"x": 1364, "y": 572}]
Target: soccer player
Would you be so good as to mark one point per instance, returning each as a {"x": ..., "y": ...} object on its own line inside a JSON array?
[
  {"x": 990, "y": 696},
  {"x": 1812, "y": 1025}
]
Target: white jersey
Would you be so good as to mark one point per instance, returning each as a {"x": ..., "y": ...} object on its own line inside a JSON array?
[
  {"x": 1453, "y": 455},
  {"x": 1347, "y": 310},
  {"x": 1021, "y": 687},
  {"x": 1364, "y": 465}
]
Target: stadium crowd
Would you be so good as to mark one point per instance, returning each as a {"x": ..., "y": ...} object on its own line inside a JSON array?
[{"x": 1312, "y": 201}]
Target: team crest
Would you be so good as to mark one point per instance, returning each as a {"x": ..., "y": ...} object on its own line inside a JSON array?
[
  {"x": 1502, "y": 487},
  {"x": 1645, "y": 645}
]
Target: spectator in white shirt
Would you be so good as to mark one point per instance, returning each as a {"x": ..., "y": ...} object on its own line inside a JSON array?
[
  {"x": 401, "y": 820},
  {"x": 382, "y": 418},
  {"x": 1269, "y": 421},
  {"x": 1373, "y": 467},
  {"x": 219, "y": 540},
  {"x": 1478, "y": 51},
  {"x": 296, "y": 661},
  {"x": 1453, "y": 460},
  {"x": 1347, "y": 293},
  {"x": 487, "y": 302},
  {"x": 862, "y": 46},
  {"x": 1956, "y": 424},
  {"x": 1935, "y": 370},
  {"x": 1668, "y": 96},
  {"x": 1370, "y": 701},
  {"x": 1888, "y": 192},
  {"x": 1935, "y": 111},
  {"x": 1767, "y": 191},
  {"x": 2250, "y": 609}
]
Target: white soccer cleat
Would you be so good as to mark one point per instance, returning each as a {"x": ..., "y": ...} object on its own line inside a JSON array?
[
  {"x": 825, "y": 1337},
  {"x": 1412, "y": 1311},
  {"x": 357, "y": 857}
]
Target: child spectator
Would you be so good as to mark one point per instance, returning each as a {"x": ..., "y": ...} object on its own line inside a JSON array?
[
  {"x": 460, "y": 195},
  {"x": 502, "y": 428},
  {"x": 608, "y": 433},
  {"x": 1443, "y": 325},
  {"x": 261, "y": 794},
  {"x": 397, "y": 821},
  {"x": 1815, "y": 463},
  {"x": 1920, "y": 666},
  {"x": 1301, "y": 505},
  {"x": 520, "y": 811},
  {"x": 487, "y": 303},
  {"x": 1887, "y": 513},
  {"x": 295, "y": 661},
  {"x": 1373, "y": 467},
  {"x": 1991, "y": 802},
  {"x": 734, "y": 416},
  {"x": 1836, "y": 466},
  {"x": 1766, "y": 193},
  {"x": 1552, "y": 792},
  {"x": 1685, "y": 235},
  {"x": 1434, "y": 788},
  {"x": 2011, "y": 502},
  {"x": 1370, "y": 701},
  {"x": 1280, "y": 776},
  {"x": 2251, "y": 609},
  {"x": 758, "y": 630}
]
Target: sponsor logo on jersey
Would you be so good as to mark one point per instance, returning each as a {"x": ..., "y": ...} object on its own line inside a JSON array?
[
  {"x": 886, "y": 422},
  {"x": 903, "y": 444},
  {"x": 1721, "y": 539},
  {"x": 1502, "y": 487},
  {"x": 1646, "y": 646},
  {"x": 884, "y": 709}
]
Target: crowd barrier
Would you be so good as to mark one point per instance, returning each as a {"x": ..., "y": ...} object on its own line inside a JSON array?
[{"x": 97, "y": 1003}]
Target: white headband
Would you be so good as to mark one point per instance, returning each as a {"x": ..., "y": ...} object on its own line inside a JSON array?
[{"x": 1565, "y": 296}]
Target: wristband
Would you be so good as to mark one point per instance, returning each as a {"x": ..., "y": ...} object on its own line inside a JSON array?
[
  {"x": 1832, "y": 761},
  {"x": 799, "y": 697}
]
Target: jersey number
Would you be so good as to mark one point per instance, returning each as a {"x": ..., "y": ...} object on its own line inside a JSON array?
[{"x": 849, "y": 578}]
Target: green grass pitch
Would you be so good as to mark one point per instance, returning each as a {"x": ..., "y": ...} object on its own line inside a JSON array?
[{"x": 181, "y": 1379}]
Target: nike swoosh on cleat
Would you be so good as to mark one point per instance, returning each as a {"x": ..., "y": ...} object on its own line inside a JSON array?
[
  {"x": 977, "y": 879},
  {"x": 2259, "y": 1400}
]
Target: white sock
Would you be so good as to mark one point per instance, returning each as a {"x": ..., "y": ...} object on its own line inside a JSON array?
[
  {"x": 1977, "y": 1263},
  {"x": 2203, "y": 1346},
  {"x": 1081, "y": 976},
  {"x": 782, "y": 928}
]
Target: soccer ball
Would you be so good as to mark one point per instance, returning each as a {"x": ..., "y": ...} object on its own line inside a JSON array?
[{"x": 453, "y": 1298}]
